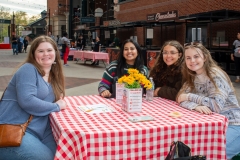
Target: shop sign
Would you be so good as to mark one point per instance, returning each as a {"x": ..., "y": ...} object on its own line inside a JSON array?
[
  {"x": 79, "y": 27},
  {"x": 111, "y": 23},
  {"x": 5, "y": 21},
  {"x": 162, "y": 16},
  {"x": 88, "y": 19}
]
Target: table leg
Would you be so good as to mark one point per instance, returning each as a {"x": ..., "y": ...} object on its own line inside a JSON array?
[
  {"x": 104, "y": 63},
  {"x": 77, "y": 60}
]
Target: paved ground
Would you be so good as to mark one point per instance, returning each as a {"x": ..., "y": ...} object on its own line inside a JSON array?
[{"x": 81, "y": 79}]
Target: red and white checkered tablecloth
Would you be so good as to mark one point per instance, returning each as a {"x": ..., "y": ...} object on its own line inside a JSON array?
[
  {"x": 111, "y": 136},
  {"x": 91, "y": 55}
]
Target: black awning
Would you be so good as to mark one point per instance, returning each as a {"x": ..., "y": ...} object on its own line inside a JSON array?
[
  {"x": 214, "y": 16},
  {"x": 94, "y": 27}
]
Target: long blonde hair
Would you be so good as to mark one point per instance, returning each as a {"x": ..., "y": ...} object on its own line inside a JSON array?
[
  {"x": 56, "y": 77},
  {"x": 210, "y": 66}
]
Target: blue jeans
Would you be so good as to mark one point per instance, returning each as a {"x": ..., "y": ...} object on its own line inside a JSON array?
[
  {"x": 232, "y": 141},
  {"x": 15, "y": 48},
  {"x": 31, "y": 149}
]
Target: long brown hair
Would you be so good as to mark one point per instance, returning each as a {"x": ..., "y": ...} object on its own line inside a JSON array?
[
  {"x": 160, "y": 70},
  {"x": 210, "y": 66},
  {"x": 56, "y": 77}
]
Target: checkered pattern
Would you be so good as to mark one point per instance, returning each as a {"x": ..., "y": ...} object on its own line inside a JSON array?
[
  {"x": 91, "y": 55},
  {"x": 110, "y": 136}
]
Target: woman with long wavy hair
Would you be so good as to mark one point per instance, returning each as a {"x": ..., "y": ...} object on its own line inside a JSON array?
[
  {"x": 208, "y": 89},
  {"x": 166, "y": 72},
  {"x": 36, "y": 88}
]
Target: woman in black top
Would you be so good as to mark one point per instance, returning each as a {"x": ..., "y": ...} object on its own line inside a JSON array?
[
  {"x": 96, "y": 48},
  {"x": 25, "y": 44}
]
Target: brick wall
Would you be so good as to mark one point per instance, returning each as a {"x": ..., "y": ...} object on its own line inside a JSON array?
[{"x": 138, "y": 10}]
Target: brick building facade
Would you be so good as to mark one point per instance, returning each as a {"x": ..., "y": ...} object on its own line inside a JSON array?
[{"x": 220, "y": 27}]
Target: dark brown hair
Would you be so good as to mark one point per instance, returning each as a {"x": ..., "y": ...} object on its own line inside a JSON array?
[{"x": 160, "y": 71}]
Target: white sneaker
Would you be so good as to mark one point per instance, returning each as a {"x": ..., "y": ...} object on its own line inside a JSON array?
[{"x": 66, "y": 65}]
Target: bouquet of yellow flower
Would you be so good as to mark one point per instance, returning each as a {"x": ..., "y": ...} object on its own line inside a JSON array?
[{"x": 135, "y": 80}]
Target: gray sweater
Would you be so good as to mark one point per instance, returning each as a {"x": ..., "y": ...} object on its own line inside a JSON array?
[
  {"x": 222, "y": 101},
  {"x": 27, "y": 93}
]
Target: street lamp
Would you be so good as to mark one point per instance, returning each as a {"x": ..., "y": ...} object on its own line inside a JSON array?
[
  {"x": 49, "y": 30},
  {"x": 47, "y": 19},
  {"x": 2, "y": 21}
]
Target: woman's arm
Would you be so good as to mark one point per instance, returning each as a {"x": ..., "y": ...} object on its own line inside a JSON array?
[
  {"x": 169, "y": 92},
  {"x": 107, "y": 78},
  {"x": 216, "y": 98},
  {"x": 144, "y": 71},
  {"x": 30, "y": 97}
]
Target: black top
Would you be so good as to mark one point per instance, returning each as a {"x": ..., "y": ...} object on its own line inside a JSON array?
[
  {"x": 81, "y": 43},
  {"x": 25, "y": 42},
  {"x": 14, "y": 40},
  {"x": 96, "y": 46}
]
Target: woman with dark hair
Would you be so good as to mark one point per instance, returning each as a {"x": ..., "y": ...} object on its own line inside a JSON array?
[
  {"x": 130, "y": 57},
  {"x": 36, "y": 89},
  {"x": 166, "y": 72}
]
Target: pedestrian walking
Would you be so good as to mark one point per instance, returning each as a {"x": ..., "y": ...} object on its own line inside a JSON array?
[{"x": 235, "y": 56}]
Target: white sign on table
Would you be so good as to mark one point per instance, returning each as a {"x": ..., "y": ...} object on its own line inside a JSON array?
[{"x": 119, "y": 92}]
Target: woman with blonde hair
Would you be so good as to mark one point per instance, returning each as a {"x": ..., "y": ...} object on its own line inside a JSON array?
[
  {"x": 208, "y": 89},
  {"x": 36, "y": 89}
]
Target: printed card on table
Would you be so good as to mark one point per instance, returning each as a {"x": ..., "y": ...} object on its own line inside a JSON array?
[
  {"x": 96, "y": 108},
  {"x": 119, "y": 92},
  {"x": 132, "y": 100}
]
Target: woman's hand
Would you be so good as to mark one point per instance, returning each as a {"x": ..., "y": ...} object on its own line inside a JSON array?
[
  {"x": 106, "y": 94},
  {"x": 62, "y": 104},
  {"x": 182, "y": 97},
  {"x": 232, "y": 57},
  {"x": 203, "y": 109},
  {"x": 156, "y": 92}
]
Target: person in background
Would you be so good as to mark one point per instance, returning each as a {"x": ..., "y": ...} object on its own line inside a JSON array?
[
  {"x": 116, "y": 41},
  {"x": 65, "y": 48},
  {"x": 166, "y": 72},
  {"x": 97, "y": 48},
  {"x": 57, "y": 39},
  {"x": 60, "y": 42},
  {"x": 20, "y": 44},
  {"x": 14, "y": 45},
  {"x": 235, "y": 56},
  {"x": 50, "y": 35},
  {"x": 30, "y": 38},
  {"x": 130, "y": 57},
  {"x": 81, "y": 42},
  {"x": 36, "y": 89},
  {"x": 25, "y": 44},
  {"x": 208, "y": 89}
]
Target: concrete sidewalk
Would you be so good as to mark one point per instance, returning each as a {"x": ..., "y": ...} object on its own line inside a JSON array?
[{"x": 81, "y": 79}]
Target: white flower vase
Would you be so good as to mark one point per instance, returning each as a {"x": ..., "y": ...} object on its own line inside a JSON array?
[{"x": 132, "y": 100}]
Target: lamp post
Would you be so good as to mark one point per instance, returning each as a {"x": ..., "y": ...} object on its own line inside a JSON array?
[
  {"x": 49, "y": 30},
  {"x": 2, "y": 21}
]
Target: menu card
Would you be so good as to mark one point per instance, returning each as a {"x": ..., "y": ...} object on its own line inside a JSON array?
[
  {"x": 119, "y": 92},
  {"x": 96, "y": 108}
]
